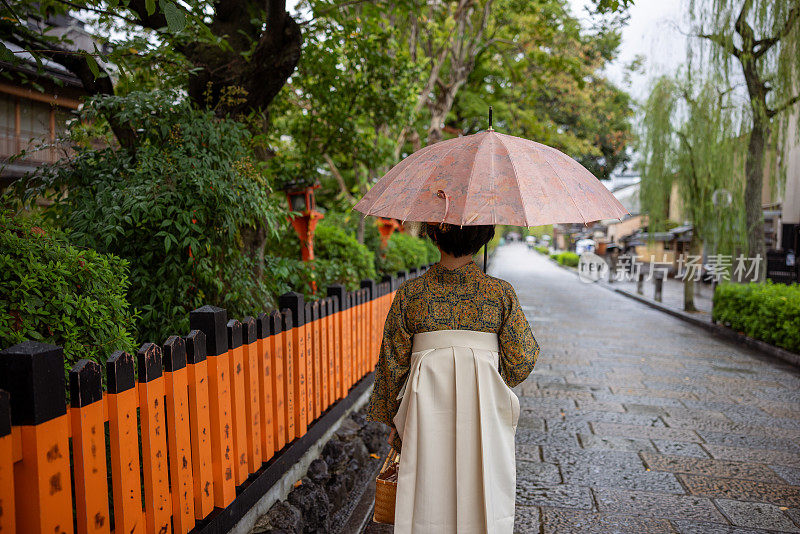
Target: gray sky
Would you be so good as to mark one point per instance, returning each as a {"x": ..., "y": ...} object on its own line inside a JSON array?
[{"x": 655, "y": 30}]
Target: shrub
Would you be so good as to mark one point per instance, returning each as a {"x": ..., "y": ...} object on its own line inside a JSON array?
[
  {"x": 543, "y": 250},
  {"x": 178, "y": 209},
  {"x": 766, "y": 311},
  {"x": 403, "y": 252},
  {"x": 569, "y": 259},
  {"x": 349, "y": 221},
  {"x": 340, "y": 259},
  {"x": 53, "y": 292},
  {"x": 433, "y": 252}
]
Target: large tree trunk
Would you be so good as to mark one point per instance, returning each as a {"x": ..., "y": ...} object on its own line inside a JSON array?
[
  {"x": 757, "y": 90},
  {"x": 273, "y": 59},
  {"x": 440, "y": 107},
  {"x": 274, "y": 53},
  {"x": 754, "y": 215}
]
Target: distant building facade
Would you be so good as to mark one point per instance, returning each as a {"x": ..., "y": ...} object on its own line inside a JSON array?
[{"x": 35, "y": 105}]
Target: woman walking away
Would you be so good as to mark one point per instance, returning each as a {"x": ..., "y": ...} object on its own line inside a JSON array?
[{"x": 454, "y": 343}]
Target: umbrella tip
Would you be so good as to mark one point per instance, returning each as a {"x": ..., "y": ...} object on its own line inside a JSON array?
[{"x": 490, "y": 119}]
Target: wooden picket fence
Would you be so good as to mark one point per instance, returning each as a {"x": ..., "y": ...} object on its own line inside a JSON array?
[{"x": 163, "y": 448}]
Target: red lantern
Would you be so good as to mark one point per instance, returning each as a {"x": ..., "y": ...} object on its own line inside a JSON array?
[
  {"x": 386, "y": 227},
  {"x": 305, "y": 221}
]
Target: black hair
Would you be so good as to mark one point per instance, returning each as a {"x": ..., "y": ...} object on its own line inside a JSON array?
[{"x": 457, "y": 240}]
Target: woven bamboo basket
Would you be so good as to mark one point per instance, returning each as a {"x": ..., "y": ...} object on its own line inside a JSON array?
[{"x": 386, "y": 490}]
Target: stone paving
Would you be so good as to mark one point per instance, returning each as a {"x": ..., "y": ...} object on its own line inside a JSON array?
[{"x": 635, "y": 421}]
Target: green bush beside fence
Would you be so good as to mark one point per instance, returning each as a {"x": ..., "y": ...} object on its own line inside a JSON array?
[
  {"x": 404, "y": 252},
  {"x": 180, "y": 210},
  {"x": 570, "y": 259},
  {"x": 53, "y": 292},
  {"x": 766, "y": 311},
  {"x": 340, "y": 258}
]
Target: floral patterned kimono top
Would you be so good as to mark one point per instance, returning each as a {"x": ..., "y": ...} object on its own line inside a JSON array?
[{"x": 444, "y": 299}]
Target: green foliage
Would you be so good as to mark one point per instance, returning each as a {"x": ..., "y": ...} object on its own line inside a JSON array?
[
  {"x": 433, "y": 252},
  {"x": 774, "y": 36},
  {"x": 766, "y": 311},
  {"x": 541, "y": 231},
  {"x": 143, "y": 57},
  {"x": 688, "y": 137},
  {"x": 340, "y": 259},
  {"x": 542, "y": 250},
  {"x": 404, "y": 252},
  {"x": 53, "y": 292},
  {"x": 355, "y": 80},
  {"x": 612, "y": 6},
  {"x": 568, "y": 259},
  {"x": 544, "y": 79},
  {"x": 349, "y": 220},
  {"x": 177, "y": 210}
]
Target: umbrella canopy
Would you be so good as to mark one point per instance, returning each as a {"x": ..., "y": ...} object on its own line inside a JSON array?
[{"x": 490, "y": 178}]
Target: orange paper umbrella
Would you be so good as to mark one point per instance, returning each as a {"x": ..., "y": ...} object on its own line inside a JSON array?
[{"x": 490, "y": 178}]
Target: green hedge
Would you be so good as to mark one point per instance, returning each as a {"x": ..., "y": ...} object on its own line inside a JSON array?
[
  {"x": 543, "y": 250},
  {"x": 570, "y": 259},
  {"x": 340, "y": 258},
  {"x": 53, "y": 292},
  {"x": 404, "y": 252},
  {"x": 766, "y": 311}
]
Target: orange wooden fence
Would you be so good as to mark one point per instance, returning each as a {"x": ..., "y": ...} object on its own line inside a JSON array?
[{"x": 207, "y": 410}]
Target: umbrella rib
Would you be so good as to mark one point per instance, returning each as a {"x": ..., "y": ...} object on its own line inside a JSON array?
[
  {"x": 469, "y": 182},
  {"x": 433, "y": 168},
  {"x": 519, "y": 187},
  {"x": 546, "y": 160},
  {"x": 420, "y": 152}
]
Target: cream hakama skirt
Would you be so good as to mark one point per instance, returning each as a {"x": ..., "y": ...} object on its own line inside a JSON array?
[{"x": 457, "y": 421}]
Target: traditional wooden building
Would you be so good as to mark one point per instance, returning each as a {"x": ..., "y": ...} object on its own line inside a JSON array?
[{"x": 35, "y": 105}]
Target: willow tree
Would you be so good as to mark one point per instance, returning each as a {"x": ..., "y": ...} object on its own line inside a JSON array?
[
  {"x": 688, "y": 135},
  {"x": 759, "y": 41}
]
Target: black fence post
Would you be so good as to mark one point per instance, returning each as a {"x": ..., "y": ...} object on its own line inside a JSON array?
[
  {"x": 33, "y": 374},
  {"x": 295, "y": 302},
  {"x": 369, "y": 285},
  {"x": 339, "y": 293},
  {"x": 212, "y": 322}
]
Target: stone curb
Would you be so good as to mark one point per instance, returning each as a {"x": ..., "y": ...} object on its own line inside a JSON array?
[{"x": 792, "y": 358}]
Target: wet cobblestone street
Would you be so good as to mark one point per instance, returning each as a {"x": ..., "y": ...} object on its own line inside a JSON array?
[{"x": 635, "y": 421}]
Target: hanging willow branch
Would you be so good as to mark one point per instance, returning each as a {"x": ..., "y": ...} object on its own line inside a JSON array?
[{"x": 689, "y": 133}]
